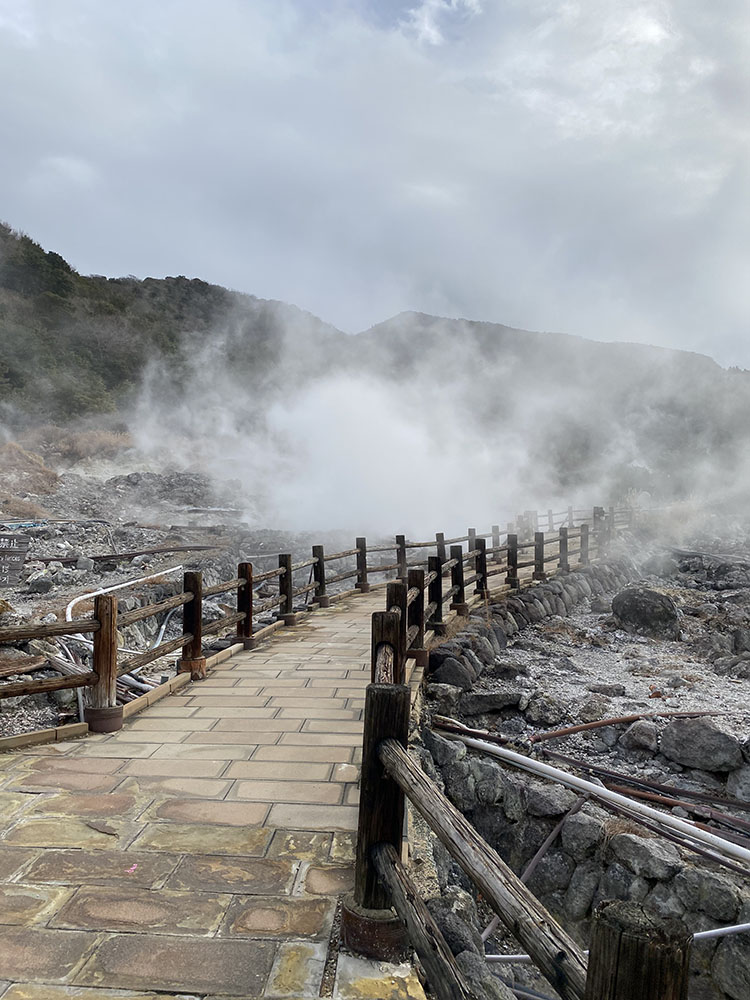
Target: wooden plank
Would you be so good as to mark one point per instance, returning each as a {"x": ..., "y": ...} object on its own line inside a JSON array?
[
  {"x": 555, "y": 953},
  {"x": 444, "y": 977}
]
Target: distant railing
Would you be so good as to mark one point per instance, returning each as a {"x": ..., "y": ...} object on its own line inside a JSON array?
[{"x": 416, "y": 598}]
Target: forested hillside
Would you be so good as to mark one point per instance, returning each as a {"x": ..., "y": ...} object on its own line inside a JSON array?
[{"x": 214, "y": 376}]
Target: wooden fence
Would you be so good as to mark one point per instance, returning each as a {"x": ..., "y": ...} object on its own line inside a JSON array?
[
  {"x": 634, "y": 954},
  {"x": 416, "y": 597}
]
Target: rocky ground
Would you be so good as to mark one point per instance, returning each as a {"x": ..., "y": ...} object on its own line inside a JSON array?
[
  {"x": 667, "y": 632},
  {"x": 73, "y": 520}
]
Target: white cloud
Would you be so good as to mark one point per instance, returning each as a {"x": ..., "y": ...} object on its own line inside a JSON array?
[{"x": 579, "y": 167}]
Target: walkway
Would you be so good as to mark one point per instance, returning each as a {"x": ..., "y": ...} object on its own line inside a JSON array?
[{"x": 201, "y": 849}]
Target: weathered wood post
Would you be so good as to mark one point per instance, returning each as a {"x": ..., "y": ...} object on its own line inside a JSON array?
[
  {"x": 637, "y": 955},
  {"x": 611, "y": 526},
  {"x": 415, "y": 616},
  {"x": 511, "y": 577},
  {"x": 571, "y": 518},
  {"x": 362, "y": 585},
  {"x": 319, "y": 575},
  {"x": 481, "y": 568},
  {"x": 584, "y": 557},
  {"x": 401, "y": 557},
  {"x": 102, "y": 712},
  {"x": 435, "y": 595},
  {"x": 458, "y": 603},
  {"x": 286, "y": 590},
  {"x": 440, "y": 546},
  {"x": 550, "y": 521},
  {"x": 396, "y": 601},
  {"x": 386, "y": 663},
  {"x": 245, "y": 604},
  {"x": 368, "y": 926},
  {"x": 563, "y": 564},
  {"x": 472, "y": 539},
  {"x": 539, "y": 573},
  {"x": 193, "y": 659},
  {"x": 495, "y": 541}
]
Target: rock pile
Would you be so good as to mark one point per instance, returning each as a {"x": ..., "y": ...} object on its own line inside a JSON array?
[{"x": 501, "y": 674}]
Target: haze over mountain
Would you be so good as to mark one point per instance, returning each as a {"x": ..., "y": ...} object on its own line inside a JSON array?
[{"x": 319, "y": 425}]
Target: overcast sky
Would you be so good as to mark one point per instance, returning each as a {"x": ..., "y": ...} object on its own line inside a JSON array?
[{"x": 578, "y": 167}]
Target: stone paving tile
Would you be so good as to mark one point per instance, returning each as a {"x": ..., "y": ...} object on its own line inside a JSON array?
[
  {"x": 210, "y": 811},
  {"x": 27, "y": 904},
  {"x": 115, "y": 804},
  {"x": 214, "y": 737},
  {"x": 313, "y": 817},
  {"x": 159, "y": 710},
  {"x": 279, "y": 771},
  {"x": 14, "y": 803},
  {"x": 180, "y": 964},
  {"x": 101, "y": 868},
  {"x": 186, "y": 725},
  {"x": 300, "y": 845},
  {"x": 359, "y": 979},
  {"x": 73, "y": 782},
  {"x": 165, "y": 767},
  {"x": 238, "y": 875},
  {"x": 333, "y": 726},
  {"x": 203, "y": 837},
  {"x": 273, "y": 916},
  {"x": 205, "y": 751},
  {"x": 238, "y": 700},
  {"x": 73, "y": 832},
  {"x": 278, "y": 752},
  {"x": 149, "y": 736},
  {"x": 343, "y": 848},
  {"x": 120, "y": 908},
  {"x": 253, "y": 726},
  {"x": 13, "y": 859},
  {"x": 213, "y": 712},
  {"x": 36, "y": 953},
  {"x": 287, "y": 791},
  {"x": 298, "y": 968},
  {"x": 47, "y": 991},
  {"x": 329, "y": 881},
  {"x": 203, "y": 788},
  {"x": 75, "y": 765},
  {"x": 321, "y": 739},
  {"x": 125, "y": 751},
  {"x": 315, "y": 713}
]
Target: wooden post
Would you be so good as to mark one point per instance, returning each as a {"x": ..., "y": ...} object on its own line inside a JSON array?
[
  {"x": 637, "y": 955},
  {"x": 286, "y": 590},
  {"x": 102, "y": 712},
  {"x": 539, "y": 573},
  {"x": 511, "y": 577},
  {"x": 444, "y": 977},
  {"x": 550, "y": 521},
  {"x": 472, "y": 542},
  {"x": 415, "y": 616},
  {"x": 571, "y": 518},
  {"x": 319, "y": 575},
  {"x": 584, "y": 557},
  {"x": 362, "y": 585},
  {"x": 245, "y": 604},
  {"x": 495, "y": 541},
  {"x": 458, "y": 603},
  {"x": 481, "y": 568},
  {"x": 193, "y": 660},
  {"x": 401, "y": 557},
  {"x": 440, "y": 546},
  {"x": 386, "y": 661},
  {"x": 381, "y": 821},
  {"x": 395, "y": 600},
  {"x": 563, "y": 564},
  {"x": 435, "y": 595}
]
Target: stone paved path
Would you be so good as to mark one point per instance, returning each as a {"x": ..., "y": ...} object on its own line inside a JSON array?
[{"x": 201, "y": 849}]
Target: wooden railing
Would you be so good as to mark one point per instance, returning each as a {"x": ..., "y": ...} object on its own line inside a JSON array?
[
  {"x": 632, "y": 955},
  {"x": 416, "y": 602}
]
